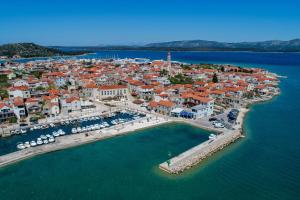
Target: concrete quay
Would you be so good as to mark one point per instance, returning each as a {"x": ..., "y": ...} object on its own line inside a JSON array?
[
  {"x": 73, "y": 140},
  {"x": 196, "y": 154}
]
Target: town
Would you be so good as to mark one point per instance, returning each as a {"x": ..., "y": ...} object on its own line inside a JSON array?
[{"x": 43, "y": 94}]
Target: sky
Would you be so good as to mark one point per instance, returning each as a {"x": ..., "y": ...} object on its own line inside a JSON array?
[{"x": 136, "y": 22}]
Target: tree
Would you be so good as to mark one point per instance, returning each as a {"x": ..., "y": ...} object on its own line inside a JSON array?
[
  {"x": 215, "y": 78},
  {"x": 13, "y": 120},
  {"x": 222, "y": 69},
  {"x": 3, "y": 94},
  {"x": 37, "y": 74}
]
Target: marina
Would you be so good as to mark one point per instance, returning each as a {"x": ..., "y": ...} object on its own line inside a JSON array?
[{"x": 32, "y": 137}]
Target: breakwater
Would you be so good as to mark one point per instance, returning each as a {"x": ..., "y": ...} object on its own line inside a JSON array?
[{"x": 196, "y": 154}]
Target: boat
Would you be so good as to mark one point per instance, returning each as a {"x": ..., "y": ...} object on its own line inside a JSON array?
[
  {"x": 52, "y": 125},
  {"x": 33, "y": 143},
  {"x": 45, "y": 141},
  {"x": 55, "y": 134},
  {"x": 79, "y": 129},
  {"x": 48, "y": 135},
  {"x": 20, "y": 146},
  {"x": 74, "y": 130},
  {"x": 39, "y": 141},
  {"x": 51, "y": 139},
  {"x": 61, "y": 132},
  {"x": 43, "y": 137},
  {"x": 27, "y": 144},
  {"x": 212, "y": 136},
  {"x": 31, "y": 128},
  {"x": 23, "y": 131}
]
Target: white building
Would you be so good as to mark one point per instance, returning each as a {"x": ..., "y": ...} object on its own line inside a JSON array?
[{"x": 112, "y": 91}]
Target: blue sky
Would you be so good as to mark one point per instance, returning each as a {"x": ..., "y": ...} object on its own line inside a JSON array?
[{"x": 91, "y": 22}]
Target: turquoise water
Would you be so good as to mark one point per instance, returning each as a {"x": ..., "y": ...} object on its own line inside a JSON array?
[{"x": 264, "y": 165}]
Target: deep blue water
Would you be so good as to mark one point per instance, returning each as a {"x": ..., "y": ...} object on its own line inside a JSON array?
[{"x": 263, "y": 165}]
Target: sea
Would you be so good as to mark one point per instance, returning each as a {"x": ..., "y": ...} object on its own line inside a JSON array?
[{"x": 263, "y": 165}]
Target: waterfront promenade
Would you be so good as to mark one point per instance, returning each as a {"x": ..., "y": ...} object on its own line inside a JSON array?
[{"x": 79, "y": 139}]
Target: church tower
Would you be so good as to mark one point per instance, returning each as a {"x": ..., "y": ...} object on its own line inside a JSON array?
[{"x": 169, "y": 62}]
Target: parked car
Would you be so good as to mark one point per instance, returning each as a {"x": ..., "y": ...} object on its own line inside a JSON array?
[{"x": 212, "y": 119}]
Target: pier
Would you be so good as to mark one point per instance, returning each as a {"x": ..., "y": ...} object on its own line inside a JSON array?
[{"x": 196, "y": 154}]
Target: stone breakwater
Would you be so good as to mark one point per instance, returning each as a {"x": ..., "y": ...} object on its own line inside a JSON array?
[{"x": 196, "y": 154}]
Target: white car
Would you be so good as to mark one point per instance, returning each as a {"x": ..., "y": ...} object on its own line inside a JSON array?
[{"x": 218, "y": 125}]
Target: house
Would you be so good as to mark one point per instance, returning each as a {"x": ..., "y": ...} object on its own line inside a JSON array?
[
  {"x": 19, "y": 107},
  {"x": 71, "y": 104},
  {"x": 6, "y": 112},
  {"x": 51, "y": 105},
  {"x": 33, "y": 106},
  {"x": 165, "y": 107},
  {"x": 112, "y": 91},
  {"x": 51, "y": 109},
  {"x": 19, "y": 91}
]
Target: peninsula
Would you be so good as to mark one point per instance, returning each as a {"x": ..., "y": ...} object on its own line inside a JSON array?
[
  {"x": 55, "y": 104},
  {"x": 29, "y": 50}
]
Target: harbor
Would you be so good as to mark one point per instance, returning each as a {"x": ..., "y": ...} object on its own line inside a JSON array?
[{"x": 114, "y": 128}]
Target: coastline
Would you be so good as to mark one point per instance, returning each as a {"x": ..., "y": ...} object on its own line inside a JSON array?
[
  {"x": 195, "y": 155},
  {"x": 74, "y": 140}
]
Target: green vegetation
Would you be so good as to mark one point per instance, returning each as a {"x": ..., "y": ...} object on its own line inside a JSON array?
[
  {"x": 3, "y": 94},
  {"x": 163, "y": 72},
  {"x": 13, "y": 120},
  {"x": 37, "y": 74},
  {"x": 40, "y": 88},
  {"x": 27, "y": 50},
  {"x": 186, "y": 67},
  {"x": 180, "y": 79},
  {"x": 4, "y": 81},
  {"x": 215, "y": 78}
]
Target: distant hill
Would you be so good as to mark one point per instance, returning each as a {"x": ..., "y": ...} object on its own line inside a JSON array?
[
  {"x": 27, "y": 50},
  {"x": 268, "y": 46}
]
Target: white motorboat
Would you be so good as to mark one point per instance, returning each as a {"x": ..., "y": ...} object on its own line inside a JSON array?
[
  {"x": 55, "y": 134},
  {"x": 39, "y": 141},
  {"x": 51, "y": 139},
  {"x": 74, "y": 130},
  {"x": 84, "y": 129},
  {"x": 61, "y": 132},
  {"x": 52, "y": 125},
  {"x": 212, "y": 136},
  {"x": 79, "y": 129},
  {"x": 43, "y": 137},
  {"x": 48, "y": 135},
  {"x": 45, "y": 141},
  {"x": 33, "y": 143},
  {"x": 27, "y": 144},
  {"x": 23, "y": 131},
  {"x": 20, "y": 146}
]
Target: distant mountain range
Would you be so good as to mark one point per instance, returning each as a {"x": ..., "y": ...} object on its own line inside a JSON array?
[
  {"x": 272, "y": 45},
  {"x": 28, "y": 50},
  {"x": 204, "y": 45}
]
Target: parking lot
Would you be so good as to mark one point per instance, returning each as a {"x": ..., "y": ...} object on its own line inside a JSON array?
[{"x": 222, "y": 118}]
